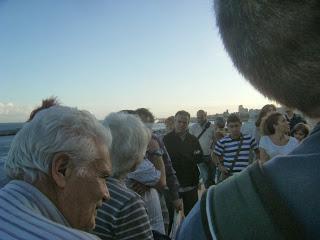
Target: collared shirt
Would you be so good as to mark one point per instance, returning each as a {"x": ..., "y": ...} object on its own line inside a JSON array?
[
  {"x": 26, "y": 213},
  {"x": 206, "y": 138}
]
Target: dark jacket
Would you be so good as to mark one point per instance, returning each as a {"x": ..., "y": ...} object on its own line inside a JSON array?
[{"x": 185, "y": 154}]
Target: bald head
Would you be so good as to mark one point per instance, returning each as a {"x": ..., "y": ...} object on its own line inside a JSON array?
[{"x": 276, "y": 46}]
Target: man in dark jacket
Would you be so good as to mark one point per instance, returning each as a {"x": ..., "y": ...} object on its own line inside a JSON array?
[{"x": 185, "y": 152}]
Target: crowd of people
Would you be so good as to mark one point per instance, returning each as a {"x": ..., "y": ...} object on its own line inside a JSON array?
[
  {"x": 151, "y": 177},
  {"x": 70, "y": 176}
]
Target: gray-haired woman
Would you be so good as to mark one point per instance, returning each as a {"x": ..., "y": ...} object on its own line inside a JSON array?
[{"x": 124, "y": 216}]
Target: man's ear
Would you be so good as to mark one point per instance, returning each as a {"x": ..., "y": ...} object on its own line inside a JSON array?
[{"x": 59, "y": 166}]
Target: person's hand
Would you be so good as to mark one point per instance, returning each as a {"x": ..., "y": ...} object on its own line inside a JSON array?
[
  {"x": 178, "y": 204},
  {"x": 223, "y": 169},
  {"x": 139, "y": 188}
]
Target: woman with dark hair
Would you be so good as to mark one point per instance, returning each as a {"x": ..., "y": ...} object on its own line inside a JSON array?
[
  {"x": 275, "y": 140},
  {"x": 265, "y": 111}
]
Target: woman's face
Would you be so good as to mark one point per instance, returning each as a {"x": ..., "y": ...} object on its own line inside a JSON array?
[
  {"x": 270, "y": 110},
  {"x": 282, "y": 125}
]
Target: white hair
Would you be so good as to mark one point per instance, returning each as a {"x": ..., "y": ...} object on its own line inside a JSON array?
[
  {"x": 55, "y": 130},
  {"x": 130, "y": 139}
]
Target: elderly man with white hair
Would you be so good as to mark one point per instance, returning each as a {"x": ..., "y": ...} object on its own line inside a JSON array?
[
  {"x": 57, "y": 163},
  {"x": 124, "y": 216}
]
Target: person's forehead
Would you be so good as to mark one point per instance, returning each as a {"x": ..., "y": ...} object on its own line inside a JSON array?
[{"x": 182, "y": 118}]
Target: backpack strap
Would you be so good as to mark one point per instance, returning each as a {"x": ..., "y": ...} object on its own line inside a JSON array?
[
  {"x": 203, "y": 130},
  {"x": 238, "y": 209},
  {"x": 281, "y": 215}
]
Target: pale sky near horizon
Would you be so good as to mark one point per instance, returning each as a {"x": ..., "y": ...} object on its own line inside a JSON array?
[{"x": 108, "y": 55}]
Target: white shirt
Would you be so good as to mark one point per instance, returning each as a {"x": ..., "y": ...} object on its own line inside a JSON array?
[
  {"x": 205, "y": 139},
  {"x": 274, "y": 150}
]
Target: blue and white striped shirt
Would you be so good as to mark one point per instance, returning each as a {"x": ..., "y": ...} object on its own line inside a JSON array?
[
  {"x": 26, "y": 213},
  {"x": 228, "y": 147}
]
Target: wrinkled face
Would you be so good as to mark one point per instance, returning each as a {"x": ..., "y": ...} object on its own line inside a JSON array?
[
  {"x": 201, "y": 117},
  {"x": 282, "y": 125},
  {"x": 181, "y": 123},
  {"x": 299, "y": 135},
  {"x": 85, "y": 192},
  {"x": 234, "y": 128}
]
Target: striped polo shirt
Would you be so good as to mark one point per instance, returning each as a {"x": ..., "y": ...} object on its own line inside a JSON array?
[
  {"x": 124, "y": 216},
  {"x": 228, "y": 147},
  {"x": 26, "y": 213}
]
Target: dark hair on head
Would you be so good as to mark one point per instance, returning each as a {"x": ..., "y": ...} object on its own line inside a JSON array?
[
  {"x": 168, "y": 119},
  {"x": 263, "y": 112},
  {"x": 233, "y": 118},
  {"x": 144, "y": 113},
  {"x": 220, "y": 122},
  {"x": 201, "y": 111},
  {"x": 301, "y": 127},
  {"x": 46, "y": 103},
  {"x": 269, "y": 122},
  {"x": 279, "y": 50},
  {"x": 182, "y": 113}
]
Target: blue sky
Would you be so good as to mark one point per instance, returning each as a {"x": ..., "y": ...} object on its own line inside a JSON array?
[{"x": 107, "y": 55}]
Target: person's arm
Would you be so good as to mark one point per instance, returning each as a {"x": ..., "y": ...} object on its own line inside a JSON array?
[
  {"x": 155, "y": 156},
  {"x": 263, "y": 156},
  {"x": 219, "y": 164},
  {"x": 255, "y": 147},
  {"x": 218, "y": 157},
  {"x": 159, "y": 165},
  {"x": 172, "y": 180},
  {"x": 257, "y": 152}
]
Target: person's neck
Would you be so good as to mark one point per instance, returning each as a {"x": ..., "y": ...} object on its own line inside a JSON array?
[
  {"x": 289, "y": 116},
  {"x": 279, "y": 136},
  {"x": 48, "y": 188},
  {"x": 235, "y": 136},
  {"x": 181, "y": 134}
]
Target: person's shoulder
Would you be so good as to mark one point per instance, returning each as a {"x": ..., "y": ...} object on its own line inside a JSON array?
[
  {"x": 192, "y": 226},
  {"x": 225, "y": 138},
  {"x": 246, "y": 136},
  {"x": 264, "y": 140},
  {"x": 169, "y": 135},
  {"x": 119, "y": 192},
  {"x": 293, "y": 140},
  {"x": 194, "y": 126},
  {"x": 192, "y": 137}
]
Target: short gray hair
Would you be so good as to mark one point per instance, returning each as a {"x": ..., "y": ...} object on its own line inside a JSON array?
[
  {"x": 55, "y": 130},
  {"x": 130, "y": 139}
]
